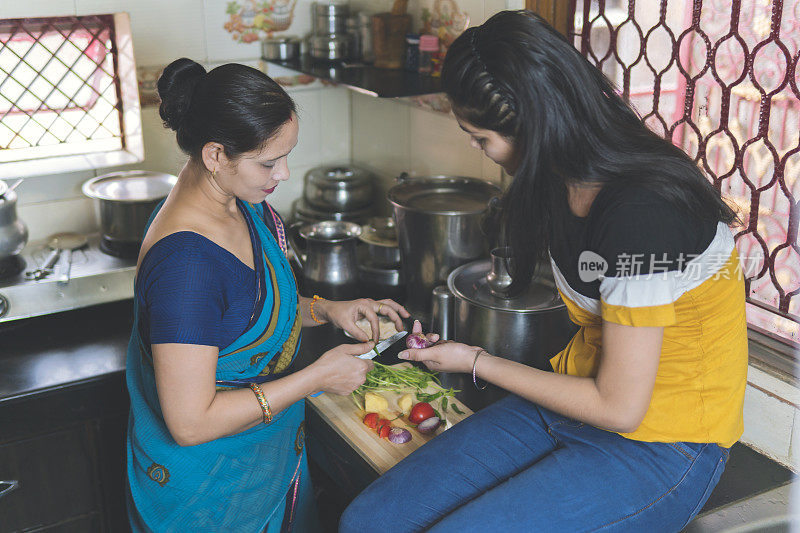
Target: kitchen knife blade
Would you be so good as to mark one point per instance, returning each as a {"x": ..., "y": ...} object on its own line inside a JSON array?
[{"x": 382, "y": 345}]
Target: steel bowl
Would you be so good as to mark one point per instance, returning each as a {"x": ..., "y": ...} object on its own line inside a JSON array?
[
  {"x": 333, "y": 47},
  {"x": 281, "y": 48}
]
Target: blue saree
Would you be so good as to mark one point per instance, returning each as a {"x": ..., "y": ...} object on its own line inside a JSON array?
[{"x": 256, "y": 480}]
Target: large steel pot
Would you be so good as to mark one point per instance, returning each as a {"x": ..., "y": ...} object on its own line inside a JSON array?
[
  {"x": 126, "y": 200},
  {"x": 529, "y": 328},
  {"x": 339, "y": 188},
  {"x": 439, "y": 228},
  {"x": 13, "y": 232}
]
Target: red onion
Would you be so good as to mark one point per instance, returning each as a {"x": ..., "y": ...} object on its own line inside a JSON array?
[
  {"x": 429, "y": 425},
  {"x": 417, "y": 341},
  {"x": 399, "y": 436}
]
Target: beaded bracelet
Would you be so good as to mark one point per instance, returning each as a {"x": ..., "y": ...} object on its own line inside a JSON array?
[
  {"x": 313, "y": 315},
  {"x": 263, "y": 402},
  {"x": 474, "y": 364}
]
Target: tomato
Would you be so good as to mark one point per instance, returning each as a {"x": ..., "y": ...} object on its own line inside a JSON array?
[
  {"x": 421, "y": 411},
  {"x": 371, "y": 420},
  {"x": 384, "y": 431}
]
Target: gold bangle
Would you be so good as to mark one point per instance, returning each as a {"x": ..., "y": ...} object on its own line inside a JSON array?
[
  {"x": 263, "y": 402},
  {"x": 313, "y": 315}
]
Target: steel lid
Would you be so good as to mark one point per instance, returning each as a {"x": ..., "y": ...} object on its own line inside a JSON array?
[
  {"x": 130, "y": 186},
  {"x": 468, "y": 282},
  {"x": 444, "y": 195}
]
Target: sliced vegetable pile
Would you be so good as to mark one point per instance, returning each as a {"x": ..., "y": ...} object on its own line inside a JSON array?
[
  {"x": 385, "y": 378},
  {"x": 415, "y": 404}
]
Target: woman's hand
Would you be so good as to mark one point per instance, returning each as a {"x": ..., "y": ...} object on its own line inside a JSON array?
[
  {"x": 340, "y": 372},
  {"x": 445, "y": 357},
  {"x": 345, "y": 315}
]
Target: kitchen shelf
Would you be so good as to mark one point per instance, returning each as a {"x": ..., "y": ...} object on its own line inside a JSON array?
[{"x": 383, "y": 83}]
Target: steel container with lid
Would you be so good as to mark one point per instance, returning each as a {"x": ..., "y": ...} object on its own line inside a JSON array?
[
  {"x": 339, "y": 188},
  {"x": 438, "y": 228},
  {"x": 529, "y": 328},
  {"x": 126, "y": 200}
]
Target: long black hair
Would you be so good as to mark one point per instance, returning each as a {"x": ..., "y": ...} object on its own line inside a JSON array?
[
  {"x": 518, "y": 76},
  {"x": 235, "y": 105}
]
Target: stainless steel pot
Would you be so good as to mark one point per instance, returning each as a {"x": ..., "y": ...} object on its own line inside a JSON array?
[
  {"x": 329, "y": 18},
  {"x": 330, "y": 264},
  {"x": 333, "y": 47},
  {"x": 438, "y": 225},
  {"x": 13, "y": 232},
  {"x": 281, "y": 48},
  {"x": 339, "y": 188},
  {"x": 529, "y": 328},
  {"x": 126, "y": 200}
]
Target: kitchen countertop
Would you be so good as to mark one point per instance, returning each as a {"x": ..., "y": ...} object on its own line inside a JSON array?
[
  {"x": 65, "y": 349},
  {"x": 87, "y": 346}
]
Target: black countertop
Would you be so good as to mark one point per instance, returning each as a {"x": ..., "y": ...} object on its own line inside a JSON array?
[{"x": 64, "y": 349}]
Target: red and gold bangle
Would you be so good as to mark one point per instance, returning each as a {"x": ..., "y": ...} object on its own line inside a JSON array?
[
  {"x": 263, "y": 402},
  {"x": 313, "y": 315}
]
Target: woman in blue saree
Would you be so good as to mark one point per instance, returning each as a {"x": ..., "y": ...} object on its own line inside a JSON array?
[{"x": 216, "y": 435}]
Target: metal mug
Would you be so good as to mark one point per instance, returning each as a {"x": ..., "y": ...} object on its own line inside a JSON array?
[
  {"x": 330, "y": 263},
  {"x": 13, "y": 232}
]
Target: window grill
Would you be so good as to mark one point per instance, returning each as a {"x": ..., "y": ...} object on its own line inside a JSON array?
[
  {"x": 721, "y": 79},
  {"x": 60, "y": 91}
]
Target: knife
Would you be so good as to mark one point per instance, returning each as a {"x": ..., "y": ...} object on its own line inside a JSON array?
[{"x": 382, "y": 345}]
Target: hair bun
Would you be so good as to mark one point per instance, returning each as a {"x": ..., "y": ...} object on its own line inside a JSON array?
[{"x": 175, "y": 88}]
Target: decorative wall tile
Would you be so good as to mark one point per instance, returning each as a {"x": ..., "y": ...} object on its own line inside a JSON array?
[
  {"x": 234, "y": 28},
  {"x": 37, "y": 8},
  {"x": 162, "y": 31}
]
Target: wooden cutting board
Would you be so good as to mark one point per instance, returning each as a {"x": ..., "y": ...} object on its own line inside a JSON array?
[{"x": 342, "y": 414}]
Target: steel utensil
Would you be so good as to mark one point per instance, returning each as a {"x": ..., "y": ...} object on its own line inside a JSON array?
[{"x": 58, "y": 243}]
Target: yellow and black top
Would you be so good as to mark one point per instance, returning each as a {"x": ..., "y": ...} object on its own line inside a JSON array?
[{"x": 637, "y": 260}]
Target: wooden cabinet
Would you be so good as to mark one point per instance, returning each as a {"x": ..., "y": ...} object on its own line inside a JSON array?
[{"x": 66, "y": 448}]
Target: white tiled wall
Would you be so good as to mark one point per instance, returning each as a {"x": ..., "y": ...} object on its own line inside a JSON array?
[{"x": 772, "y": 418}]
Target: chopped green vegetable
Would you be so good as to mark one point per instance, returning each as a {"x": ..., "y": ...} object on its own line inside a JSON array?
[{"x": 386, "y": 378}]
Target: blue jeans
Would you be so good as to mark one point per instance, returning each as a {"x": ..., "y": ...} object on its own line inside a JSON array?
[{"x": 515, "y": 466}]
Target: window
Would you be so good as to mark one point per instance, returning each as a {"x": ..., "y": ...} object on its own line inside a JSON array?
[
  {"x": 720, "y": 78},
  {"x": 67, "y": 91}
]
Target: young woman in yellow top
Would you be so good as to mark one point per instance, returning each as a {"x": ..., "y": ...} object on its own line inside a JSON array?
[{"x": 632, "y": 429}]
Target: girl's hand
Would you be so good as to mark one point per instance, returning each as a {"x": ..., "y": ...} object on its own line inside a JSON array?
[
  {"x": 445, "y": 357},
  {"x": 345, "y": 315},
  {"x": 340, "y": 372}
]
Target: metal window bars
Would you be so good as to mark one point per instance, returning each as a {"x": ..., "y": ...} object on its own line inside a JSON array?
[
  {"x": 721, "y": 79},
  {"x": 59, "y": 87}
]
